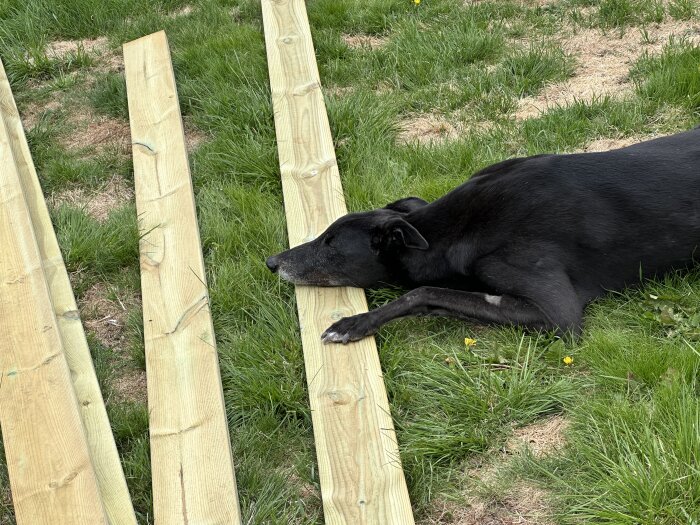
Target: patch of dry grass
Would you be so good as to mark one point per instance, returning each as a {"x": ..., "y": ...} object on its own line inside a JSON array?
[
  {"x": 523, "y": 504},
  {"x": 604, "y": 60},
  {"x": 63, "y": 48},
  {"x": 108, "y": 60},
  {"x": 99, "y": 203},
  {"x": 427, "y": 129},
  {"x": 105, "y": 317},
  {"x": 183, "y": 11},
  {"x": 609, "y": 144},
  {"x": 364, "y": 41},
  {"x": 540, "y": 438},
  {"x": 33, "y": 112},
  {"x": 96, "y": 133},
  {"x": 504, "y": 503},
  {"x": 128, "y": 384}
]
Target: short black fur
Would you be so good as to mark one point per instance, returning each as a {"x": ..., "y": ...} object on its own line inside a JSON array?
[{"x": 528, "y": 241}]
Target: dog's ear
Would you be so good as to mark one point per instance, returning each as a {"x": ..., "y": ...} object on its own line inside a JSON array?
[
  {"x": 406, "y": 205},
  {"x": 398, "y": 232}
]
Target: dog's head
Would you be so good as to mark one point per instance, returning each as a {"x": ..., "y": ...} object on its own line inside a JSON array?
[{"x": 356, "y": 250}]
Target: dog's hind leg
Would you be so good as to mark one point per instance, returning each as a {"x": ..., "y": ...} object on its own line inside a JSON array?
[
  {"x": 549, "y": 290},
  {"x": 427, "y": 300}
]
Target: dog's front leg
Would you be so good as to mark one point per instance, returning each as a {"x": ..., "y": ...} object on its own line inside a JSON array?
[{"x": 429, "y": 300}]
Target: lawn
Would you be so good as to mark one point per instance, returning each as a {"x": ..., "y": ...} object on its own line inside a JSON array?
[{"x": 419, "y": 97}]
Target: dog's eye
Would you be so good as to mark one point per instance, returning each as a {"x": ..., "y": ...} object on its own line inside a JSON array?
[{"x": 328, "y": 239}]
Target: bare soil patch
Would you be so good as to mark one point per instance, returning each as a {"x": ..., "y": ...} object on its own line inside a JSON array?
[
  {"x": 541, "y": 438},
  {"x": 194, "y": 137},
  {"x": 523, "y": 3},
  {"x": 93, "y": 134},
  {"x": 522, "y": 505},
  {"x": 431, "y": 128},
  {"x": 427, "y": 128},
  {"x": 97, "y": 133},
  {"x": 537, "y": 3},
  {"x": 339, "y": 91},
  {"x": 64, "y": 48},
  {"x": 98, "y": 203},
  {"x": 607, "y": 144},
  {"x": 33, "y": 112},
  {"x": 109, "y": 60},
  {"x": 106, "y": 317},
  {"x": 183, "y": 11},
  {"x": 129, "y": 385},
  {"x": 604, "y": 63},
  {"x": 308, "y": 492},
  {"x": 365, "y": 41},
  {"x": 104, "y": 312}
]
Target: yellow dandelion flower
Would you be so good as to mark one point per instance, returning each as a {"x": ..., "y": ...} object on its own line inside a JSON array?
[
  {"x": 469, "y": 342},
  {"x": 568, "y": 360},
  {"x": 416, "y": 2}
]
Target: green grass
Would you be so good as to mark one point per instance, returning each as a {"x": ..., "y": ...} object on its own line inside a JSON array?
[
  {"x": 36, "y": 64},
  {"x": 671, "y": 77},
  {"x": 528, "y": 70},
  {"x": 683, "y": 9},
  {"x": 109, "y": 96},
  {"x": 633, "y": 448},
  {"x": 85, "y": 241},
  {"x": 631, "y": 395},
  {"x": 620, "y": 13}
]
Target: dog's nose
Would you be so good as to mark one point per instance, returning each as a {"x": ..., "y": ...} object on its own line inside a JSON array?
[{"x": 272, "y": 263}]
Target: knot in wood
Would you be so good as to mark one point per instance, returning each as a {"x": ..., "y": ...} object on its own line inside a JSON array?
[
  {"x": 339, "y": 397},
  {"x": 71, "y": 314},
  {"x": 305, "y": 89},
  {"x": 288, "y": 39},
  {"x": 336, "y": 314},
  {"x": 313, "y": 172}
]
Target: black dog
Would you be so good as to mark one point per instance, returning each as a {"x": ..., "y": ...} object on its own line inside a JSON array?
[{"x": 529, "y": 241}]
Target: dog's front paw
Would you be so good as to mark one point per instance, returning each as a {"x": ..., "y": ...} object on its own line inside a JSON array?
[{"x": 349, "y": 329}]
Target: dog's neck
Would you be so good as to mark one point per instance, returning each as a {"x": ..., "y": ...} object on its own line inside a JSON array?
[{"x": 422, "y": 267}]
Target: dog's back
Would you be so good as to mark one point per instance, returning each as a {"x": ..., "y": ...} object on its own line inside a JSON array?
[{"x": 606, "y": 216}]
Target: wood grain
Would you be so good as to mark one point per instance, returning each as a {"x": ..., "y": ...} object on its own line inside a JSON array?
[
  {"x": 51, "y": 472},
  {"x": 360, "y": 471},
  {"x": 192, "y": 466},
  {"x": 105, "y": 457}
]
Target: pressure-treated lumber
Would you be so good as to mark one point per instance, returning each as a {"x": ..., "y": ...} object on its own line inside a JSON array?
[
  {"x": 48, "y": 459},
  {"x": 193, "y": 475},
  {"x": 103, "y": 450},
  {"x": 360, "y": 471}
]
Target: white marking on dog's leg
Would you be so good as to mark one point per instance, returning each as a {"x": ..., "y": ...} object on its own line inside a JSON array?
[{"x": 493, "y": 299}]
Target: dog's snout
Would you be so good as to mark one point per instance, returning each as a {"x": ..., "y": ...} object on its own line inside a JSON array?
[{"x": 272, "y": 263}]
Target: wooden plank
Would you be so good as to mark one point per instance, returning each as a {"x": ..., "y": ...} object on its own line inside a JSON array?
[
  {"x": 193, "y": 475},
  {"x": 48, "y": 459},
  {"x": 359, "y": 466},
  {"x": 103, "y": 450}
]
